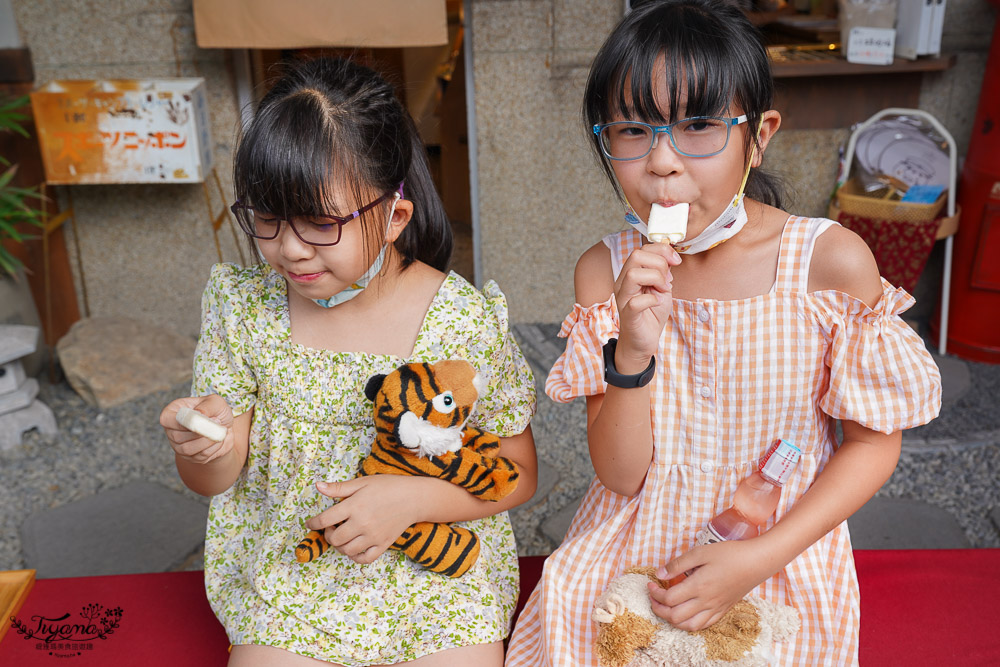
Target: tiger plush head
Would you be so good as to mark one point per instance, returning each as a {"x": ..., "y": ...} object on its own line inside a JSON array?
[{"x": 423, "y": 407}]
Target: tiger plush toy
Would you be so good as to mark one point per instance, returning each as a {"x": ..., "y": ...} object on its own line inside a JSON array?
[{"x": 420, "y": 414}]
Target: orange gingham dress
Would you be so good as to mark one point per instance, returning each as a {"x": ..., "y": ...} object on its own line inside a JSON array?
[{"x": 732, "y": 376}]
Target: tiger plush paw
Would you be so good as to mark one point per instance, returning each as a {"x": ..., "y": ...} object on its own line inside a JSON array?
[{"x": 420, "y": 413}]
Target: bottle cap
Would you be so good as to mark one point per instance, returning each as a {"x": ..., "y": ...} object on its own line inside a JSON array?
[{"x": 780, "y": 460}]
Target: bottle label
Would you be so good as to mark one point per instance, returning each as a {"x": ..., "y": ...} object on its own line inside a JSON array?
[{"x": 779, "y": 461}]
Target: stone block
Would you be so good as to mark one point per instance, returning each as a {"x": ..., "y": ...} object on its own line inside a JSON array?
[
  {"x": 955, "y": 378},
  {"x": 555, "y": 526},
  {"x": 112, "y": 360},
  {"x": 14, "y": 425},
  {"x": 547, "y": 478},
  {"x": 20, "y": 397},
  {"x": 897, "y": 523},
  {"x": 16, "y": 341},
  {"x": 139, "y": 527}
]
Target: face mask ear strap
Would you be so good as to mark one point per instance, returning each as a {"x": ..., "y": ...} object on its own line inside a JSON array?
[
  {"x": 396, "y": 196},
  {"x": 746, "y": 174}
]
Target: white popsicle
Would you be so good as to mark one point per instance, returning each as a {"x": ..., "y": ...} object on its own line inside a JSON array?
[
  {"x": 200, "y": 424},
  {"x": 668, "y": 223}
]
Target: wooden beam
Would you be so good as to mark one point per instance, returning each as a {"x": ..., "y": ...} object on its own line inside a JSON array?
[{"x": 15, "y": 66}]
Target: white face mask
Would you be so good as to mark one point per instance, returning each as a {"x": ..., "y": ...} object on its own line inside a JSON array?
[
  {"x": 723, "y": 228},
  {"x": 361, "y": 283}
]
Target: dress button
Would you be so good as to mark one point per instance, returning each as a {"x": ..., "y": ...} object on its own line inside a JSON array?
[
  {"x": 706, "y": 392},
  {"x": 707, "y": 466},
  {"x": 703, "y": 315}
]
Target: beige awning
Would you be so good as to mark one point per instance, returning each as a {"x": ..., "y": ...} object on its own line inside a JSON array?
[{"x": 288, "y": 24}]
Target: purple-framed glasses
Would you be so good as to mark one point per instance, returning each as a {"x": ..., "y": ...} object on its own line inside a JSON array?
[{"x": 316, "y": 230}]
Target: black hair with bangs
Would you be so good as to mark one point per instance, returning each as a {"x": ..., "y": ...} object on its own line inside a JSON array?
[
  {"x": 330, "y": 122},
  {"x": 714, "y": 57}
]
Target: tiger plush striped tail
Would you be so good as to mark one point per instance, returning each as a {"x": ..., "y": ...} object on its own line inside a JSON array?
[
  {"x": 311, "y": 547},
  {"x": 440, "y": 547}
]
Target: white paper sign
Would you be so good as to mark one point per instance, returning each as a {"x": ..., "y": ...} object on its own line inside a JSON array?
[{"x": 871, "y": 46}]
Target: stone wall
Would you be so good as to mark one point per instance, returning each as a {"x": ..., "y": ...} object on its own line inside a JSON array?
[
  {"x": 146, "y": 249},
  {"x": 542, "y": 198}
]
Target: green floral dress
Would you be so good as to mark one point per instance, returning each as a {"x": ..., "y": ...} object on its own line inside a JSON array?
[{"x": 312, "y": 422}]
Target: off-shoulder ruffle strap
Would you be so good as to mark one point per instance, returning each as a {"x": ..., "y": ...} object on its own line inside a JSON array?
[
  {"x": 579, "y": 370},
  {"x": 881, "y": 374},
  {"x": 894, "y": 300}
]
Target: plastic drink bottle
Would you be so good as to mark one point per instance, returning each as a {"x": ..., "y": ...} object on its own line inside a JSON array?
[
  {"x": 756, "y": 497},
  {"x": 755, "y": 500}
]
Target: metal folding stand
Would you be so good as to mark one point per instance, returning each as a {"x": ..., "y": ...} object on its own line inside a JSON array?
[
  {"x": 947, "y": 234},
  {"x": 216, "y": 220}
]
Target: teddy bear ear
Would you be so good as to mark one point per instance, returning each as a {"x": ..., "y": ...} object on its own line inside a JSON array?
[{"x": 373, "y": 385}]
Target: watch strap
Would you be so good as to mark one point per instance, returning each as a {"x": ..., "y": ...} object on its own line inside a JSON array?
[{"x": 616, "y": 379}]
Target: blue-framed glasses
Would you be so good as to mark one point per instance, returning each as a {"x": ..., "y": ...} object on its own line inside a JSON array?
[
  {"x": 317, "y": 230},
  {"x": 701, "y": 136}
]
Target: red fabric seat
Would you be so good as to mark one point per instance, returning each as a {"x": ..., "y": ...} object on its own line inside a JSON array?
[{"x": 918, "y": 607}]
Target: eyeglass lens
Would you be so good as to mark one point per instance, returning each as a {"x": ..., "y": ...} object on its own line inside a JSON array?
[
  {"x": 695, "y": 137},
  {"x": 314, "y": 231}
]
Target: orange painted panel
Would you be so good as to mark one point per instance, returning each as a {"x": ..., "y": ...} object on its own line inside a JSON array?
[{"x": 123, "y": 131}]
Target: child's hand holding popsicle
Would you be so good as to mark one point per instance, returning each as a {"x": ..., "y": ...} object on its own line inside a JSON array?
[
  {"x": 198, "y": 428},
  {"x": 643, "y": 288}
]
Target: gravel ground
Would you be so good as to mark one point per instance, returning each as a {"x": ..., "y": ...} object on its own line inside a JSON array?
[
  {"x": 953, "y": 463},
  {"x": 95, "y": 450}
]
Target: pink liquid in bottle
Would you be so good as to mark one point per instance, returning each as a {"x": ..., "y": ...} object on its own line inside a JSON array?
[{"x": 756, "y": 498}]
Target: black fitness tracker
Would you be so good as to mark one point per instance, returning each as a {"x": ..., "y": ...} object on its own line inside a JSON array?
[{"x": 616, "y": 379}]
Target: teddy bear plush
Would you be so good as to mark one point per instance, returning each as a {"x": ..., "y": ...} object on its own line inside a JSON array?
[
  {"x": 630, "y": 635},
  {"x": 420, "y": 412}
]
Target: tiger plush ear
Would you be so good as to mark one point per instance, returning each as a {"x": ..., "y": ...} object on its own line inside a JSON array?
[{"x": 373, "y": 385}]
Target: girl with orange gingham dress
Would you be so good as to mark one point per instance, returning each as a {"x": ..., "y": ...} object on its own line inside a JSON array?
[{"x": 757, "y": 325}]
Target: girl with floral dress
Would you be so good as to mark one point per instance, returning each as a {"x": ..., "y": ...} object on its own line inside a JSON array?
[
  {"x": 757, "y": 325},
  {"x": 334, "y": 191}
]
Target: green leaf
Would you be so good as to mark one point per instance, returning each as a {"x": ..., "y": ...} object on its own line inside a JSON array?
[
  {"x": 7, "y": 175},
  {"x": 15, "y": 103},
  {"x": 15, "y": 201},
  {"x": 10, "y": 116},
  {"x": 8, "y": 263}
]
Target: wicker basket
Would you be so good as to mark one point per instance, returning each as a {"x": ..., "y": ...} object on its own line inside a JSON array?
[
  {"x": 947, "y": 225},
  {"x": 851, "y": 199}
]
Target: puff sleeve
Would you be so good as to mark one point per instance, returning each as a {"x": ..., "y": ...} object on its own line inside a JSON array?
[
  {"x": 509, "y": 403},
  {"x": 222, "y": 356},
  {"x": 881, "y": 374},
  {"x": 579, "y": 370}
]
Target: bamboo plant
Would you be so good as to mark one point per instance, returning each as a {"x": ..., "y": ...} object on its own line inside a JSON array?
[{"x": 17, "y": 204}]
